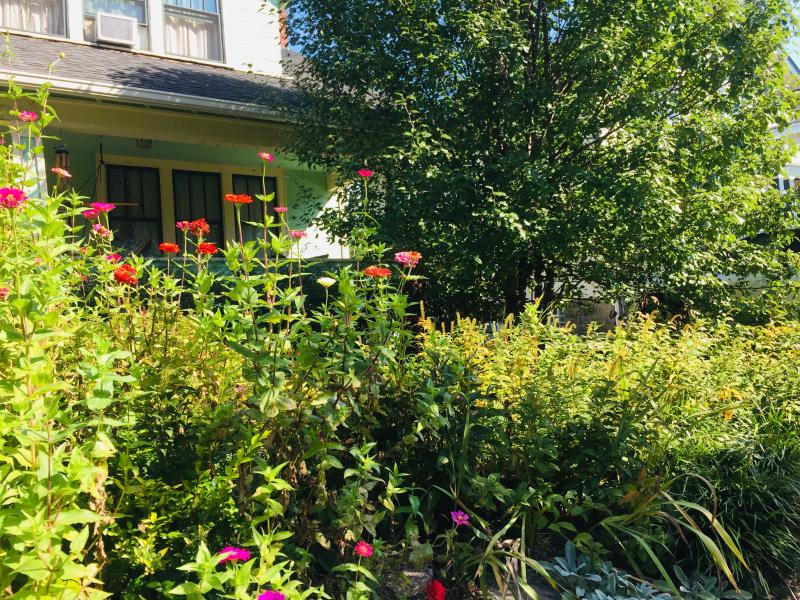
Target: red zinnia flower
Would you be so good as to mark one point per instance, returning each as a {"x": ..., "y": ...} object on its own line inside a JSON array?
[
  {"x": 266, "y": 156},
  {"x": 114, "y": 257},
  {"x": 238, "y": 198},
  {"x": 125, "y": 274},
  {"x": 199, "y": 227},
  {"x": 169, "y": 248},
  {"x": 375, "y": 271},
  {"x": 298, "y": 235},
  {"x": 4, "y": 292},
  {"x": 28, "y": 116},
  {"x": 207, "y": 248},
  {"x": 366, "y": 173},
  {"x": 363, "y": 549},
  {"x": 281, "y": 209},
  {"x": 436, "y": 590}
]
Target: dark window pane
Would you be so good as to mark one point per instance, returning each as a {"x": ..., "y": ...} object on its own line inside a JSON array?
[
  {"x": 136, "y": 220},
  {"x": 252, "y": 185},
  {"x": 199, "y": 195}
]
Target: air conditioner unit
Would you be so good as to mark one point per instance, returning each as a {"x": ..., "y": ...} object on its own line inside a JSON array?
[{"x": 116, "y": 29}]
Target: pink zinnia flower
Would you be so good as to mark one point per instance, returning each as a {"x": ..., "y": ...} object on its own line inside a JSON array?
[
  {"x": 104, "y": 207},
  {"x": 61, "y": 172},
  {"x": 183, "y": 225},
  {"x": 101, "y": 231},
  {"x": 12, "y": 197},
  {"x": 459, "y": 517},
  {"x": 408, "y": 258},
  {"x": 281, "y": 209},
  {"x": 266, "y": 156},
  {"x": 233, "y": 553},
  {"x": 363, "y": 549},
  {"x": 298, "y": 235},
  {"x": 4, "y": 292},
  {"x": 91, "y": 213},
  {"x": 366, "y": 173},
  {"x": 270, "y": 595},
  {"x": 28, "y": 116},
  {"x": 114, "y": 257}
]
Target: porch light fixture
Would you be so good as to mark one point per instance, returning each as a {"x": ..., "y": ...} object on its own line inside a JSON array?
[{"x": 62, "y": 156}]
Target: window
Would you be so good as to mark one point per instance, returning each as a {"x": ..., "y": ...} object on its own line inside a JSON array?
[
  {"x": 192, "y": 29},
  {"x": 136, "y": 220},
  {"x": 37, "y": 16},
  {"x": 128, "y": 8},
  {"x": 199, "y": 195},
  {"x": 254, "y": 212}
]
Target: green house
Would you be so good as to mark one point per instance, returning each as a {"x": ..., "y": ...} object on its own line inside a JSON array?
[{"x": 163, "y": 108}]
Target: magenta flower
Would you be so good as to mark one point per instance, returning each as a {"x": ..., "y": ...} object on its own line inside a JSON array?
[
  {"x": 12, "y": 197},
  {"x": 28, "y": 116},
  {"x": 4, "y": 292},
  {"x": 104, "y": 207},
  {"x": 91, "y": 213},
  {"x": 281, "y": 209},
  {"x": 270, "y": 595},
  {"x": 363, "y": 549},
  {"x": 266, "y": 156},
  {"x": 233, "y": 553},
  {"x": 101, "y": 231},
  {"x": 459, "y": 517},
  {"x": 114, "y": 257},
  {"x": 366, "y": 173},
  {"x": 298, "y": 235}
]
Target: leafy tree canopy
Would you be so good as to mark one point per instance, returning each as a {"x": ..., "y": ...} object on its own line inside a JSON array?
[{"x": 550, "y": 144}]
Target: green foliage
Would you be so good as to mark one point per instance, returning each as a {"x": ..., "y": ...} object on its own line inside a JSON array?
[
  {"x": 546, "y": 145},
  {"x": 154, "y": 414}
]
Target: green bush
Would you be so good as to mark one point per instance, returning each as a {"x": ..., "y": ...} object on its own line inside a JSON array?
[{"x": 168, "y": 428}]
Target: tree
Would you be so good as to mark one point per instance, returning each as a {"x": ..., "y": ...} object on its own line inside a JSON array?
[{"x": 554, "y": 144}]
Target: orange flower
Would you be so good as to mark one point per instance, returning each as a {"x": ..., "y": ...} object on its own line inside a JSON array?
[
  {"x": 375, "y": 271},
  {"x": 238, "y": 198},
  {"x": 125, "y": 274},
  {"x": 169, "y": 248},
  {"x": 207, "y": 248}
]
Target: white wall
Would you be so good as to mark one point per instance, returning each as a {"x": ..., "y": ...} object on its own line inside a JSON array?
[
  {"x": 251, "y": 37},
  {"x": 250, "y": 34}
]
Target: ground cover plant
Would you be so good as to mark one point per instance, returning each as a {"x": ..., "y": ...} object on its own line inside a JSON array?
[{"x": 169, "y": 429}]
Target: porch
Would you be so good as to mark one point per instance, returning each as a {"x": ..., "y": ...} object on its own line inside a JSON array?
[{"x": 162, "y": 166}]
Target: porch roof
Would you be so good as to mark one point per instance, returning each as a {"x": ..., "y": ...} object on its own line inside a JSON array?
[{"x": 142, "y": 78}]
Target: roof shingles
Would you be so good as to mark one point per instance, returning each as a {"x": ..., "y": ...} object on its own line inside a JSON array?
[{"x": 110, "y": 66}]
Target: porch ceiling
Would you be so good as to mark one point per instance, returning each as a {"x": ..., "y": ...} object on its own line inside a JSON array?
[{"x": 112, "y": 119}]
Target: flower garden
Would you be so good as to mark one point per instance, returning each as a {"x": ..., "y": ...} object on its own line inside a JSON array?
[{"x": 169, "y": 430}]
